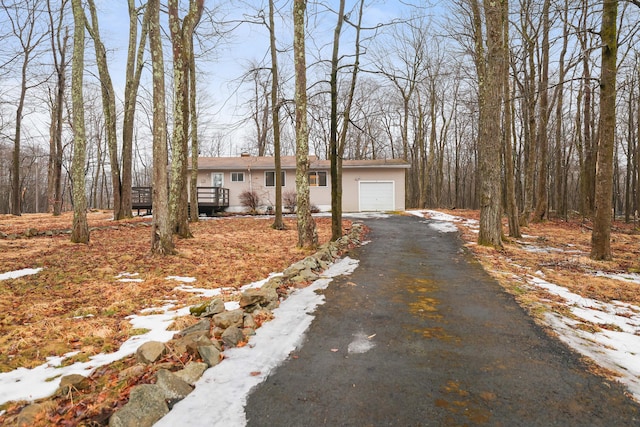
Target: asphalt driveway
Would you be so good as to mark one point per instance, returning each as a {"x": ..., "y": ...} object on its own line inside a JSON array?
[{"x": 420, "y": 335}]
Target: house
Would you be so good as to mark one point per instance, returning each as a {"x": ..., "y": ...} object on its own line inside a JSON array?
[{"x": 367, "y": 185}]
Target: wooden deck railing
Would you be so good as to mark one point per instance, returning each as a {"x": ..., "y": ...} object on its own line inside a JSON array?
[{"x": 210, "y": 199}]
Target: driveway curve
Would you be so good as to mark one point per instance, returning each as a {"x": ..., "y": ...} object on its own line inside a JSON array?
[{"x": 420, "y": 335}]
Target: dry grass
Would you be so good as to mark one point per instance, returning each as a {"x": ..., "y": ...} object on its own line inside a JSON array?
[{"x": 76, "y": 301}]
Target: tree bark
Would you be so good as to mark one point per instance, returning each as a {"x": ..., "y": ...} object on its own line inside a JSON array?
[
  {"x": 161, "y": 233},
  {"x": 278, "y": 223},
  {"x": 80, "y": 227},
  {"x": 542, "y": 205},
  {"x": 59, "y": 44},
  {"x": 181, "y": 39},
  {"x": 512, "y": 205},
  {"x": 601, "y": 235},
  {"x": 135, "y": 64},
  {"x": 490, "y": 93},
  {"x": 195, "y": 146},
  {"x": 336, "y": 203},
  {"x": 307, "y": 235},
  {"x": 109, "y": 109}
]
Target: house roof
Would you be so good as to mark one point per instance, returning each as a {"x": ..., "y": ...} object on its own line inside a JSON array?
[{"x": 289, "y": 162}]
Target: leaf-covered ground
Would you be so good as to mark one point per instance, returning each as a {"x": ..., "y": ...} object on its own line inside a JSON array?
[
  {"x": 78, "y": 303},
  {"x": 560, "y": 250}
]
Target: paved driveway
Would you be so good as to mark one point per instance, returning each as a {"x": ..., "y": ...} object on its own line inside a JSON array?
[{"x": 420, "y": 335}]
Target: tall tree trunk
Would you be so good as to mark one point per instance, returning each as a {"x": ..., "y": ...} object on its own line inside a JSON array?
[
  {"x": 560, "y": 206},
  {"x": 278, "y": 223},
  {"x": 601, "y": 236},
  {"x": 59, "y": 43},
  {"x": 542, "y": 135},
  {"x": 346, "y": 119},
  {"x": 161, "y": 233},
  {"x": 181, "y": 39},
  {"x": 80, "y": 227},
  {"x": 530, "y": 137},
  {"x": 336, "y": 204},
  {"x": 587, "y": 173},
  {"x": 135, "y": 64},
  {"x": 108, "y": 107},
  {"x": 195, "y": 146},
  {"x": 510, "y": 177},
  {"x": 16, "y": 190},
  {"x": 490, "y": 93},
  {"x": 307, "y": 235},
  {"x": 628, "y": 194}
]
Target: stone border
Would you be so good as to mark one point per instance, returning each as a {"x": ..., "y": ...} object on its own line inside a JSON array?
[{"x": 218, "y": 329}]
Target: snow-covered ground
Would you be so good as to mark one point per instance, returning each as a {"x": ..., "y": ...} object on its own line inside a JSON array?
[
  {"x": 273, "y": 342},
  {"x": 224, "y": 388}
]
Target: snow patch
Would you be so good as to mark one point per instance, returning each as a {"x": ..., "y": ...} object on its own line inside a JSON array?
[
  {"x": 19, "y": 273},
  {"x": 223, "y": 389},
  {"x": 361, "y": 344}
]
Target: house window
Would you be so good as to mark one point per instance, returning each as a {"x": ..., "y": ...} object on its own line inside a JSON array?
[
  {"x": 270, "y": 178},
  {"x": 237, "y": 176},
  {"x": 317, "y": 179}
]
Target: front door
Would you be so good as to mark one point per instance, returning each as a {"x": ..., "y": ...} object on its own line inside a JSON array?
[{"x": 217, "y": 179}]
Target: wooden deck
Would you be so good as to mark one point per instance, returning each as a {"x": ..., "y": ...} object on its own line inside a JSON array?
[{"x": 210, "y": 199}]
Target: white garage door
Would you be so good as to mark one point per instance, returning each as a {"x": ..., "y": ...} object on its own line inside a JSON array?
[{"x": 377, "y": 196}]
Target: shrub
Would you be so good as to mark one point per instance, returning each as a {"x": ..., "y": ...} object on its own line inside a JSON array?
[
  {"x": 250, "y": 200},
  {"x": 289, "y": 200}
]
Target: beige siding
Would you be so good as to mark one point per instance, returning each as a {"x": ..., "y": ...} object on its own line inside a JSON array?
[{"x": 320, "y": 196}]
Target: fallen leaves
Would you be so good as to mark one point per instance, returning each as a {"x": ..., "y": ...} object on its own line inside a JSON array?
[{"x": 79, "y": 300}]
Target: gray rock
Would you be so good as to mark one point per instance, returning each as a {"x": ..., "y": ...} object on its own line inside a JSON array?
[
  {"x": 150, "y": 352},
  {"x": 210, "y": 354},
  {"x": 131, "y": 372},
  {"x": 191, "y": 372},
  {"x": 175, "y": 388},
  {"x": 249, "y": 322},
  {"x": 146, "y": 406},
  {"x": 209, "y": 309},
  {"x": 273, "y": 283},
  {"x": 73, "y": 382},
  {"x": 203, "y": 325},
  {"x": 258, "y": 297},
  {"x": 304, "y": 276},
  {"x": 32, "y": 413},
  {"x": 228, "y": 318},
  {"x": 186, "y": 343},
  {"x": 192, "y": 347},
  {"x": 232, "y": 336}
]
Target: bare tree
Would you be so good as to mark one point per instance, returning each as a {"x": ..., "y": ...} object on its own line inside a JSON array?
[
  {"x": 59, "y": 41},
  {"x": 195, "y": 145},
  {"x": 161, "y": 233},
  {"x": 307, "y": 235},
  {"x": 28, "y": 28},
  {"x": 135, "y": 63},
  {"x": 181, "y": 39},
  {"x": 80, "y": 228},
  {"x": 490, "y": 67},
  {"x": 601, "y": 236},
  {"x": 109, "y": 108},
  {"x": 543, "y": 122},
  {"x": 278, "y": 223}
]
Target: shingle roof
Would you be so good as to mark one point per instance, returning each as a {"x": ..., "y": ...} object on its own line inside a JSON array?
[{"x": 289, "y": 162}]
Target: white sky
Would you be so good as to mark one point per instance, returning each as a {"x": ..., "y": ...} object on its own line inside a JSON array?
[{"x": 231, "y": 380}]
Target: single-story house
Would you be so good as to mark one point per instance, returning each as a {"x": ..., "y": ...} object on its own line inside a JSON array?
[{"x": 367, "y": 185}]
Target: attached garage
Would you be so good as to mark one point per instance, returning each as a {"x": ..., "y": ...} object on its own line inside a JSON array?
[
  {"x": 367, "y": 185},
  {"x": 377, "y": 196}
]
